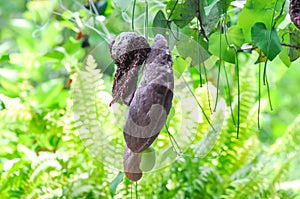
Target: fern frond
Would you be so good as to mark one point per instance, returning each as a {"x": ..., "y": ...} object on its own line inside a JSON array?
[
  {"x": 236, "y": 151},
  {"x": 262, "y": 177},
  {"x": 15, "y": 111},
  {"x": 90, "y": 109}
]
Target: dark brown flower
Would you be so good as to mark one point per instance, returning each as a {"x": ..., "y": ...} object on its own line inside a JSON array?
[
  {"x": 295, "y": 12},
  {"x": 152, "y": 100},
  {"x": 131, "y": 163},
  {"x": 128, "y": 51}
]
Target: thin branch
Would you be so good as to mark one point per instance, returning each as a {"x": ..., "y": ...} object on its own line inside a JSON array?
[
  {"x": 200, "y": 21},
  {"x": 291, "y": 45},
  {"x": 255, "y": 47}
]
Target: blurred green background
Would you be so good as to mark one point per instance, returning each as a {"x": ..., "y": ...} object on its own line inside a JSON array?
[{"x": 42, "y": 60}]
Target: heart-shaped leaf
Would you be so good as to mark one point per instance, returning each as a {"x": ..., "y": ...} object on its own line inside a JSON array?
[
  {"x": 160, "y": 23},
  {"x": 267, "y": 40}
]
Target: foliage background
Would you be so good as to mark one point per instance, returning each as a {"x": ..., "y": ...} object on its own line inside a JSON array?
[{"x": 41, "y": 153}]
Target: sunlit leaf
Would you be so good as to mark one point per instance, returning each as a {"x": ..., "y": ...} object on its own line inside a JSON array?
[
  {"x": 248, "y": 17},
  {"x": 221, "y": 48},
  {"x": 179, "y": 66},
  {"x": 4, "y": 58},
  {"x": 48, "y": 92},
  {"x": 236, "y": 36}
]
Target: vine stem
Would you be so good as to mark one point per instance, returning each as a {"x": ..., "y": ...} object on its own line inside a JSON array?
[
  {"x": 206, "y": 117},
  {"x": 269, "y": 94},
  {"x": 173, "y": 141},
  {"x": 146, "y": 20},
  {"x": 259, "y": 96},
  {"x": 265, "y": 80},
  {"x": 200, "y": 56},
  {"x": 227, "y": 82},
  {"x": 132, "y": 17},
  {"x": 239, "y": 94},
  {"x": 229, "y": 94},
  {"x": 131, "y": 190},
  {"x": 200, "y": 71},
  {"x": 177, "y": 149},
  {"x": 94, "y": 7},
  {"x": 202, "y": 31},
  {"x": 136, "y": 190},
  {"x": 207, "y": 88},
  {"x": 219, "y": 68}
]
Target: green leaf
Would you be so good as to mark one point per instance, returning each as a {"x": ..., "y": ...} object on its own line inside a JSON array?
[
  {"x": 267, "y": 40},
  {"x": 263, "y": 5},
  {"x": 220, "y": 48},
  {"x": 4, "y": 58},
  {"x": 179, "y": 66},
  {"x": 160, "y": 23},
  {"x": 67, "y": 14},
  {"x": 190, "y": 48},
  {"x": 115, "y": 183},
  {"x": 209, "y": 8},
  {"x": 294, "y": 53},
  {"x": 2, "y": 105},
  {"x": 212, "y": 13},
  {"x": 236, "y": 36},
  {"x": 248, "y": 17},
  {"x": 181, "y": 13},
  {"x": 48, "y": 93},
  {"x": 283, "y": 55},
  {"x": 56, "y": 55}
]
